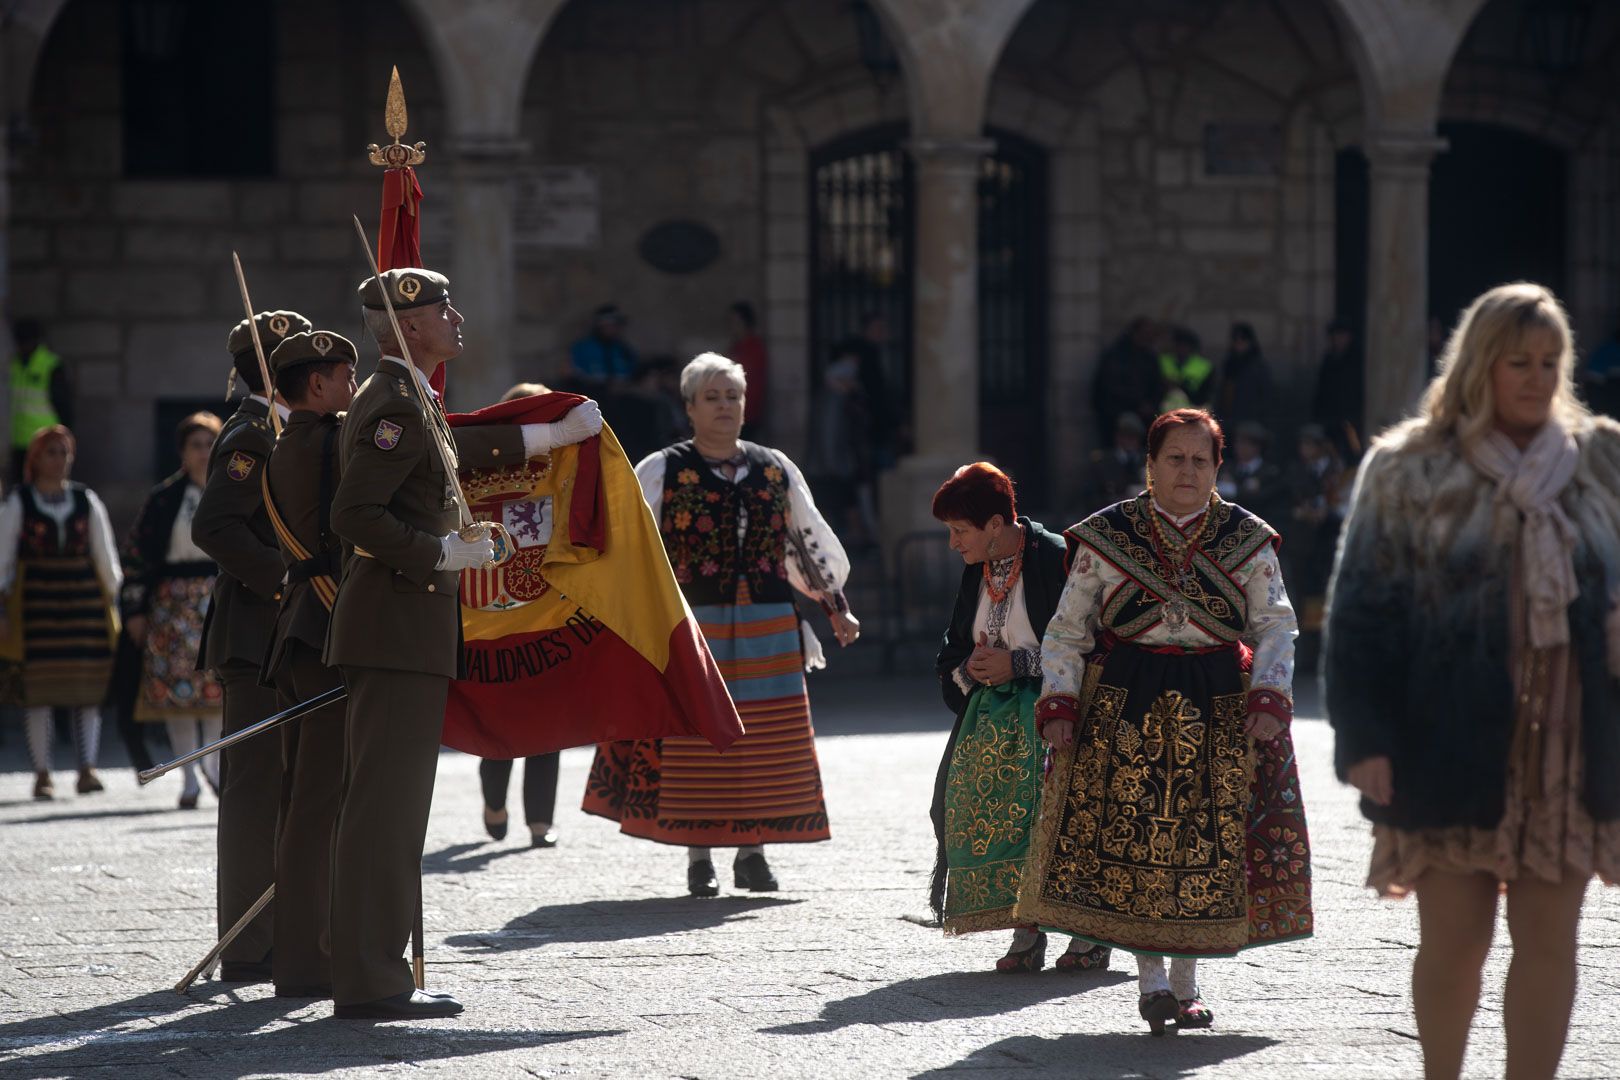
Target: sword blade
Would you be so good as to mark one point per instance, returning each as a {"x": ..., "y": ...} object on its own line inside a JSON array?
[{"x": 303, "y": 708}]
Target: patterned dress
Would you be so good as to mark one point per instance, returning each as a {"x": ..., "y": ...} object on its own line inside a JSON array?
[
  {"x": 740, "y": 546},
  {"x": 169, "y": 580},
  {"x": 1163, "y": 830},
  {"x": 994, "y": 776}
]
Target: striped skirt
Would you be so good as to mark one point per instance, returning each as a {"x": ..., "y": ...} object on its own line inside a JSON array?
[
  {"x": 765, "y": 789},
  {"x": 68, "y": 632}
]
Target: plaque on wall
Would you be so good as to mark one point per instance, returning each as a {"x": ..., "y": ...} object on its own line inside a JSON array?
[
  {"x": 679, "y": 247},
  {"x": 1242, "y": 150},
  {"x": 557, "y": 206}
]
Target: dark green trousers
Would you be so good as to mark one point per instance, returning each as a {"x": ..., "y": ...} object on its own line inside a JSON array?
[
  {"x": 392, "y": 756},
  {"x": 249, "y": 800},
  {"x": 312, "y": 788}
]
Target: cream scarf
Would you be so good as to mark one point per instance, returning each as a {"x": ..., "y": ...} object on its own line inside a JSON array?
[{"x": 1531, "y": 481}]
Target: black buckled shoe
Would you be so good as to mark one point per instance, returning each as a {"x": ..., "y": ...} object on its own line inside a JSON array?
[
  {"x": 700, "y": 879},
  {"x": 547, "y": 837},
  {"x": 1158, "y": 1009},
  {"x": 754, "y": 874},
  {"x": 411, "y": 1005},
  {"x": 1195, "y": 1015}
]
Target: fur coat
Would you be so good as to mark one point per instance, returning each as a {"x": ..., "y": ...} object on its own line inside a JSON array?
[{"x": 1417, "y": 659}]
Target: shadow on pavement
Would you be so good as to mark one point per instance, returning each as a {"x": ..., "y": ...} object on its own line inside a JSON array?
[
  {"x": 229, "y": 1042},
  {"x": 93, "y": 815},
  {"x": 1111, "y": 1054},
  {"x": 449, "y": 860},
  {"x": 954, "y": 995},
  {"x": 614, "y": 920}
]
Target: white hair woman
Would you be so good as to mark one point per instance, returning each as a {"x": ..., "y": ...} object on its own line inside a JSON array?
[
  {"x": 1473, "y": 645},
  {"x": 742, "y": 533}
]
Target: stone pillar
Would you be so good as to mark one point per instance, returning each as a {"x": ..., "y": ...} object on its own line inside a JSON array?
[
  {"x": 945, "y": 330},
  {"x": 482, "y": 268},
  {"x": 1397, "y": 273}
]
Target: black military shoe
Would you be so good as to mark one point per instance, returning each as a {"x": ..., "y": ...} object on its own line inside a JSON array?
[
  {"x": 411, "y": 1005},
  {"x": 311, "y": 991},
  {"x": 700, "y": 879},
  {"x": 245, "y": 971},
  {"x": 754, "y": 874}
]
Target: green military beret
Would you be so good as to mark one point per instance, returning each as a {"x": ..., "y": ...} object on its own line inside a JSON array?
[
  {"x": 274, "y": 326},
  {"x": 408, "y": 287},
  {"x": 312, "y": 347}
]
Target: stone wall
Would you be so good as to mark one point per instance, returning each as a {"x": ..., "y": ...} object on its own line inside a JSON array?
[
  {"x": 133, "y": 277},
  {"x": 1144, "y": 226}
]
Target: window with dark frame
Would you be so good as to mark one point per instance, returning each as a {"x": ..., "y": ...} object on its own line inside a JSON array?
[{"x": 198, "y": 88}]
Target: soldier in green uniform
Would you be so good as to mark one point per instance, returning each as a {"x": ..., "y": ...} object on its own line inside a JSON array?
[
  {"x": 314, "y": 374},
  {"x": 396, "y": 629},
  {"x": 232, "y": 527}
]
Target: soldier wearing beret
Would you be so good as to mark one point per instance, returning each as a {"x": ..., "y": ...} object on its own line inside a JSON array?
[
  {"x": 232, "y": 527},
  {"x": 314, "y": 375},
  {"x": 396, "y": 627}
]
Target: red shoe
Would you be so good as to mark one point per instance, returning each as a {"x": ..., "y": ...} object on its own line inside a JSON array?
[
  {"x": 1076, "y": 960},
  {"x": 1194, "y": 1014}
]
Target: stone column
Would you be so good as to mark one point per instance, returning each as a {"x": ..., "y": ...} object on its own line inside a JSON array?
[
  {"x": 1397, "y": 272},
  {"x": 945, "y": 329},
  {"x": 482, "y": 267}
]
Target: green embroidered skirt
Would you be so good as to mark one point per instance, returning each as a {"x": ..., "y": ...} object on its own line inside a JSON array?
[{"x": 991, "y": 788}]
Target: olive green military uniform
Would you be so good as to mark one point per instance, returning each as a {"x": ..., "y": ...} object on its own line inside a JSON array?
[
  {"x": 232, "y": 527},
  {"x": 396, "y": 633},
  {"x": 303, "y": 474}
]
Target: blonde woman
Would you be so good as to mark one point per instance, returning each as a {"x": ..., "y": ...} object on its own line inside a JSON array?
[{"x": 1473, "y": 646}]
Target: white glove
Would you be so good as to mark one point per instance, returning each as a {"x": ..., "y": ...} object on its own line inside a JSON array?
[
  {"x": 582, "y": 421},
  {"x": 458, "y": 554}
]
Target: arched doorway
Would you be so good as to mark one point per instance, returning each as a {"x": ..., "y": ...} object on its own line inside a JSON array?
[
  {"x": 862, "y": 241},
  {"x": 1497, "y": 212}
]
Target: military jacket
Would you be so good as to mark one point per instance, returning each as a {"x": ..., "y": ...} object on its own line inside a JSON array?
[
  {"x": 394, "y": 501},
  {"x": 303, "y": 475},
  {"x": 232, "y": 527}
]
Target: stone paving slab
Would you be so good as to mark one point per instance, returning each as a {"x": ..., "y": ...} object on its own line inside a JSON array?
[{"x": 588, "y": 960}]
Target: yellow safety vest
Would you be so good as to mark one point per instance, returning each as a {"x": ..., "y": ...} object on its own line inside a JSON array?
[{"x": 31, "y": 407}]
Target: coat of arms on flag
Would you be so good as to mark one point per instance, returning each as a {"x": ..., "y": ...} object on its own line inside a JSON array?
[{"x": 583, "y": 636}]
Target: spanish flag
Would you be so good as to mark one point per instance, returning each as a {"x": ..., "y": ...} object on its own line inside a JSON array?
[{"x": 582, "y": 636}]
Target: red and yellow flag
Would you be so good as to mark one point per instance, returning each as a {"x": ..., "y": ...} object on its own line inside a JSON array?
[{"x": 582, "y": 636}]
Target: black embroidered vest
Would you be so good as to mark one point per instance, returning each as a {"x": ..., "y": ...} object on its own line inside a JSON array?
[
  {"x": 718, "y": 532},
  {"x": 40, "y": 538}
]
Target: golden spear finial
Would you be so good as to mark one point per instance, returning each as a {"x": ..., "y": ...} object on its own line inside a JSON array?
[{"x": 396, "y": 155}]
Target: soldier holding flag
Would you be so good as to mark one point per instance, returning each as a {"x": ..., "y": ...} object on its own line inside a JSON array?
[{"x": 396, "y": 626}]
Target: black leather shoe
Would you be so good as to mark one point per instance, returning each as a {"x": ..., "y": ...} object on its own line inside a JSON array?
[
  {"x": 303, "y": 991},
  {"x": 245, "y": 971},
  {"x": 496, "y": 830},
  {"x": 544, "y": 839},
  {"x": 754, "y": 874},
  {"x": 700, "y": 879},
  {"x": 411, "y": 1005}
]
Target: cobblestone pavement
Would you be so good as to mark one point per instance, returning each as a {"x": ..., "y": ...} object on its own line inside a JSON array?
[{"x": 588, "y": 960}]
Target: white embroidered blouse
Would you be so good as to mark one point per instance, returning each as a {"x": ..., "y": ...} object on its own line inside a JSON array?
[
  {"x": 1269, "y": 630},
  {"x": 817, "y": 564}
]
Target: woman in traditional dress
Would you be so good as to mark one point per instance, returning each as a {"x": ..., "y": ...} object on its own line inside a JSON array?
[
  {"x": 59, "y": 574},
  {"x": 1473, "y": 648},
  {"x": 165, "y": 594},
  {"x": 1163, "y": 830},
  {"x": 990, "y": 672},
  {"x": 742, "y": 533}
]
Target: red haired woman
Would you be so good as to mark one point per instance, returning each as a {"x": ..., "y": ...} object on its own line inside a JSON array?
[
  {"x": 59, "y": 572},
  {"x": 990, "y": 672},
  {"x": 1164, "y": 831}
]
